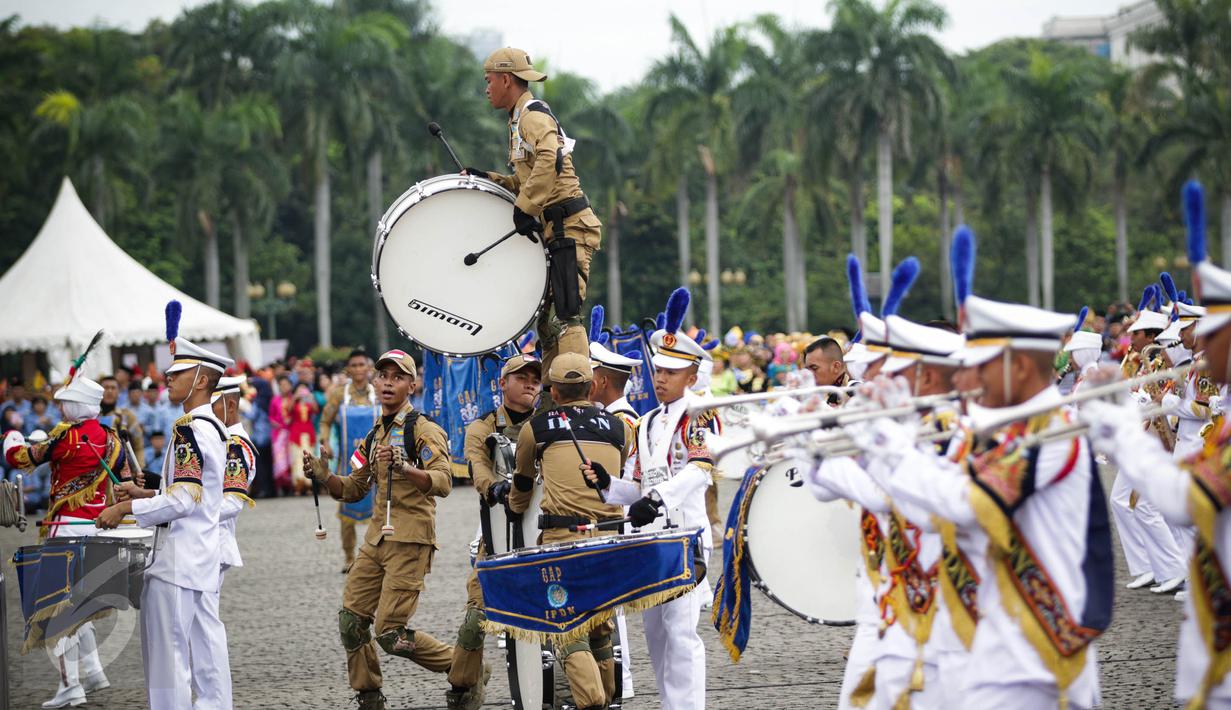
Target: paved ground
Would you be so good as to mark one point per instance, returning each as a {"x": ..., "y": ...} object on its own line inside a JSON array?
[{"x": 281, "y": 615}]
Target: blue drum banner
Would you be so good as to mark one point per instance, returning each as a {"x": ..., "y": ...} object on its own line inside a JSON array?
[
  {"x": 458, "y": 390},
  {"x": 640, "y": 389},
  {"x": 561, "y": 592}
]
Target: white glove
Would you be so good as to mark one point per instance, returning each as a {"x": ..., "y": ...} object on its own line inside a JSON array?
[
  {"x": 1140, "y": 397},
  {"x": 1171, "y": 403},
  {"x": 1216, "y": 405},
  {"x": 883, "y": 439},
  {"x": 12, "y": 440},
  {"x": 1108, "y": 422}
]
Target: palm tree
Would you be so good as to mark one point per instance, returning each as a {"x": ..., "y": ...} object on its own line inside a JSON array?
[
  {"x": 692, "y": 105},
  {"x": 1054, "y": 118},
  {"x": 770, "y": 108},
  {"x": 321, "y": 82},
  {"x": 890, "y": 56}
]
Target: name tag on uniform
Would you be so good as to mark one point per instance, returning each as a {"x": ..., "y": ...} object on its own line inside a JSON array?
[
  {"x": 519, "y": 153},
  {"x": 654, "y": 476}
]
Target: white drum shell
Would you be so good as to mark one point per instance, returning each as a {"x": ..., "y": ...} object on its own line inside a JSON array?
[
  {"x": 430, "y": 293},
  {"x": 804, "y": 552}
]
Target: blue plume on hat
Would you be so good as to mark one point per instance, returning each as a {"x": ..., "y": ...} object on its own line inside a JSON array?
[
  {"x": 854, "y": 280},
  {"x": 1146, "y": 295},
  {"x": 904, "y": 276},
  {"x": 525, "y": 340},
  {"x": 677, "y": 306},
  {"x": 1081, "y": 318},
  {"x": 174, "y": 310},
  {"x": 1173, "y": 294},
  {"x": 962, "y": 262},
  {"x": 1194, "y": 214},
  {"x": 700, "y": 336},
  {"x": 660, "y": 321},
  {"x": 596, "y": 322}
]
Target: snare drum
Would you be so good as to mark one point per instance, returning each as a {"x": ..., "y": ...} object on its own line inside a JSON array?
[
  {"x": 435, "y": 299},
  {"x": 803, "y": 553}
]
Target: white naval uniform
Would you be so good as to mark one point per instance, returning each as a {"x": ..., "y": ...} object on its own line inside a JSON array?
[
  {"x": 1153, "y": 471},
  {"x": 623, "y": 409},
  {"x": 1005, "y": 671},
  {"x": 676, "y": 650},
  {"x": 209, "y": 635},
  {"x": 894, "y": 653},
  {"x": 185, "y": 569}
]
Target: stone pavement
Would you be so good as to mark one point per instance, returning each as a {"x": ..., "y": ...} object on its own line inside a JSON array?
[{"x": 281, "y": 616}]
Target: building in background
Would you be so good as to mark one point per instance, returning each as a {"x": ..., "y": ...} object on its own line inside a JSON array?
[{"x": 1107, "y": 36}]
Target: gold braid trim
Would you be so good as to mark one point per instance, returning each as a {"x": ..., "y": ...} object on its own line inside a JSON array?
[
  {"x": 77, "y": 499},
  {"x": 1204, "y": 571},
  {"x": 36, "y": 637},
  {"x": 193, "y": 488},
  {"x": 583, "y": 629},
  {"x": 241, "y": 498},
  {"x": 963, "y": 623},
  {"x": 866, "y": 689}
]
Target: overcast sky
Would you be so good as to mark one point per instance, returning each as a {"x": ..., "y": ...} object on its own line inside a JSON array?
[{"x": 612, "y": 42}]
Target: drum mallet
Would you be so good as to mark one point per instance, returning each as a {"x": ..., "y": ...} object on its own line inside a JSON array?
[
  {"x": 600, "y": 525},
  {"x": 386, "y": 530},
  {"x": 316, "y": 501},
  {"x": 568, "y": 426},
  {"x": 473, "y": 257},
  {"x": 435, "y": 129},
  {"x": 114, "y": 478}
]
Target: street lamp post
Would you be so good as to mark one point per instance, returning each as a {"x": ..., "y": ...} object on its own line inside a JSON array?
[{"x": 271, "y": 301}]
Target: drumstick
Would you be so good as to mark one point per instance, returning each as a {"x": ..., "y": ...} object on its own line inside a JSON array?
[
  {"x": 577, "y": 444},
  {"x": 114, "y": 478},
  {"x": 435, "y": 129},
  {"x": 601, "y": 525},
  {"x": 386, "y": 530},
  {"x": 316, "y": 502}
]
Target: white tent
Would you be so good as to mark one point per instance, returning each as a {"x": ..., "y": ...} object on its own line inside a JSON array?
[{"x": 73, "y": 280}]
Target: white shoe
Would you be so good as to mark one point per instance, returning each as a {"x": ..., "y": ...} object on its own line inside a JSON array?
[
  {"x": 95, "y": 681},
  {"x": 1141, "y": 581},
  {"x": 1169, "y": 586},
  {"x": 67, "y": 695},
  {"x": 1181, "y": 595}
]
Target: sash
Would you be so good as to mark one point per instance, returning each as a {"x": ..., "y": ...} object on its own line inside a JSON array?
[
  {"x": 354, "y": 423},
  {"x": 1208, "y": 496},
  {"x": 912, "y": 590},
  {"x": 1003, "y": 479},
  {"x": 873, "y": 545},
  {"x": 655, "y": 460},
  {"x": 959, "y": 583}
]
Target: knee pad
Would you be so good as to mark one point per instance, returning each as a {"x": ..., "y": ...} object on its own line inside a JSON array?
[
  {"x": 398, "y": 642},
  {"x": 574, "y": 647},
  {"x": 353, "y": 629},
  {"x": 523, "y": 483},
  {"x": 601, "y": 647},
  {"x": 470, "y": 635}
]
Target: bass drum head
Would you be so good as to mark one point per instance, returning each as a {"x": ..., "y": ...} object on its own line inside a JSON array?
[
  {"x": 431, "y": 294},
  {"x": 804, "y": 552}
]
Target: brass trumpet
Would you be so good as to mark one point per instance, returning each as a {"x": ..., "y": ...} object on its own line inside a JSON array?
[{"x": 737, "y": 400}]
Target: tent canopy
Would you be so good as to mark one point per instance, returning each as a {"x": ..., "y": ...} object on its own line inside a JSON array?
[{"x": 73, "y": 280}]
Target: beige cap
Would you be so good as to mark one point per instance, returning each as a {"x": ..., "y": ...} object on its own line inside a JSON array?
[
  {"x": 515, "y": 62},
  {"x": 570, "y": 368},
  {"x": 405, "y": 362},
  {"x": 517, "y": 363}
]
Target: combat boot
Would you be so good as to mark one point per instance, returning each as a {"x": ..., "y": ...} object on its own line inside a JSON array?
[
  {"x": 370, "y": 700},
  {"x": 470, "y": 698}
]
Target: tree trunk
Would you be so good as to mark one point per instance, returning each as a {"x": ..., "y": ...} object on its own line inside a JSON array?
[
  {"x": 711, "y": 252},
  {"x": 859, "y": 227},
  {"x": 98, "y": 173},
  {"x": 213, "y": 284},
  {"x": 793, "y": 263},
  {"x": 1047, "y": 243},
  {"x": 1121, "y": 210},
  {"x": 884, "y": 204},
  {"x": 682, "y": 208},
  {"x": 1226, "y": 229},
  {"x": 239, "y": 276},
  {"x": 946, "y": 231},
  {"x": 959, "y": 204},
  {"x": 1032, "y": 248},
  {"x": 615, "y": 292},
  {"x": 376, "y": 183},
  {"x": 324, "y": 321}
]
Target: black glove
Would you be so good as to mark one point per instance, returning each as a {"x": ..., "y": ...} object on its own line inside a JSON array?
[
  {"x": 643, "y": 512},
  {"x": 498, "y": 493},
  {"x": 604, "y": 478},
  {"x": 479, "y": 172},
  {"x": 524, "y": 223}
]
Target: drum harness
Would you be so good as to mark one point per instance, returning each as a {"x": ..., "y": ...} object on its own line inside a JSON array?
[{"x": 548, "y": 521}]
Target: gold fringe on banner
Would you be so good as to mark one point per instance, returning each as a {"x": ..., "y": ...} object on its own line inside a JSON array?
[{"x": 583, "y": 629}]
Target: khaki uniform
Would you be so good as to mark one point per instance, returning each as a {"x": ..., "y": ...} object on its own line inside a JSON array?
[
  {"x": 468, "y": 653},
  {"x": 333, "y": 402},
  {"x": 532, "y": 156},
  {"x": 589, "y": 665},
  {"x": 384, "y": 584}
]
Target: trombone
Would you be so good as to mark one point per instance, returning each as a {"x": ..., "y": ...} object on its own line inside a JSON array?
[{"x": 737, "y": 400}]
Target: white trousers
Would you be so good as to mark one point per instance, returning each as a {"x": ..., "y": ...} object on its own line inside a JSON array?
[
  {"x": 893, "y": 678},
  {"x": 167, "y": 615},
  {"x": 950, "y": 666},
  {"x": 1014, "y": 696},
  {"x": 860, "y": 658},
  {"x": 211, "y": 664},
  {"x": 1166, "y": 559},
  {"x": 626, "y": 656},
  {"x": 676, "y": 652}
]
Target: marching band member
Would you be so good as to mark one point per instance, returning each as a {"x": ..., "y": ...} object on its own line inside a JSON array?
[
  {"x": 520, "y": 383},
  {"x": 121, "y": 419},
  {"x": 80, "y": 451},
  {"x": 383, "y": 587},
  {"x": 353, "y": 409},
  {"x": 547, "y": 187},
  {"x": 1048, "y": 571},
  {"x": 589, "y": 663},
  {"x": 1085, "y": 348},
  {"x": 1149, "y": 546},
  {"x": 182, "y": 583},
  {"x": 667, "y": 474}
]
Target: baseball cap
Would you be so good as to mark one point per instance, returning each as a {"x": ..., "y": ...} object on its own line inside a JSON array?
[
  {"x": 515, "y": 62},
  {"x": 404, "y": 361},
  {"x": 517, "y": 363},
  {"x": 570, "y": 368}
]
